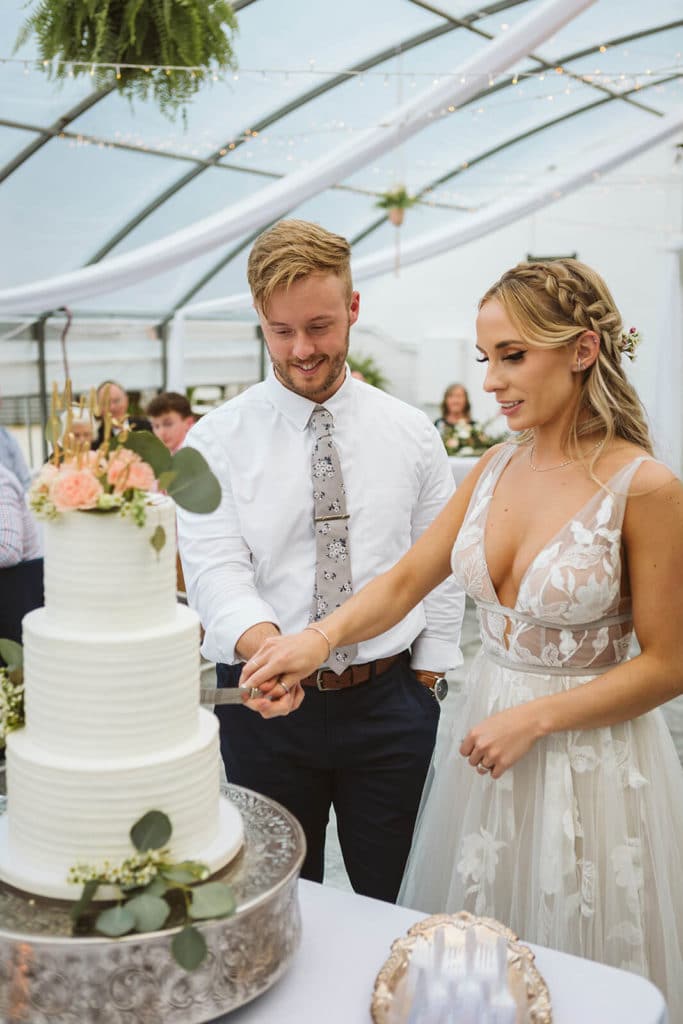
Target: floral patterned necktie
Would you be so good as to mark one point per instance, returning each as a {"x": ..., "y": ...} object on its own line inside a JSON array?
[{"x": 333, "y": 580}]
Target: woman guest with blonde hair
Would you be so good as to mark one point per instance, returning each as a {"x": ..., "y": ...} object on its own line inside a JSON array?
[{"x": 557, "y": 804}]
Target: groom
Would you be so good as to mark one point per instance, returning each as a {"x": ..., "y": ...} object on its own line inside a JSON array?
[{"x": 326, "y": 482}]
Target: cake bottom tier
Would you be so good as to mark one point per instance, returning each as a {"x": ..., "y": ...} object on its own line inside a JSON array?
[{"x": 62, "y": 812}]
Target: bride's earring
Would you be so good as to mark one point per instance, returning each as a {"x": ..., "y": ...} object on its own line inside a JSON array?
[{"x": 579, "y": 365}]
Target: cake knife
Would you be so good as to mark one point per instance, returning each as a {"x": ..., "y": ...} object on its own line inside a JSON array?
[{"x": 228, "y": 695}]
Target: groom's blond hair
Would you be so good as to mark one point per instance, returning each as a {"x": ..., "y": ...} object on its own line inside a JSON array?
[{"x": 292, "y": 250}]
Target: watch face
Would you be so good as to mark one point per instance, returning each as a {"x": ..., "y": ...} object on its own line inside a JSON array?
[{"x": 441, "y": 688}]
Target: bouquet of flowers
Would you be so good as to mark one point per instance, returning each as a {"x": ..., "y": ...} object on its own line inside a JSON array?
[
  {"x": 469, "y": 438},
  {"x": 117, "y": 476}
]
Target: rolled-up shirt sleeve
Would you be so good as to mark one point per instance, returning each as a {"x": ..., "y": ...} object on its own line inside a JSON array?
[
  {"x": 437, "y": 647},
  {"x": 218, "y": 568}
]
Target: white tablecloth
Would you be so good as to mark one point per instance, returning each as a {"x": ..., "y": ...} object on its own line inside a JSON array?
[
  {"x": 346, "y": 939},
  {"x": 461, "y": 465}
]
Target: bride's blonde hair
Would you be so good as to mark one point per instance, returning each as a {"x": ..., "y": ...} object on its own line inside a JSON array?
[{"x": 551, "y": 305}]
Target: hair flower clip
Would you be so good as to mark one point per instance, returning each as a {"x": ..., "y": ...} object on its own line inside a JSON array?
[{"x": 629, "y": 342}]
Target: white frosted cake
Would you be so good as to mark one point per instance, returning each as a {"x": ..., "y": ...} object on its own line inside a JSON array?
[{"x": 113, "y": 724}]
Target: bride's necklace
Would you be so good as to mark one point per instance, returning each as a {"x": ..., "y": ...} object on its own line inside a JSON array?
[{"x": 560, "y": 465}]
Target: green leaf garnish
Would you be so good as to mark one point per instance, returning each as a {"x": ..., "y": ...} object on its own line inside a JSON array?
[
  {"x": 189, "y": 947},
  {"x": 115, "y": 921},
  {"x": 158, "y": 539},
  {"x": 151, "y": 832},
  {"x": 149, "y": 912},
  {"x": 194, "y": 488},
  {"x": 213, "y": 899},
  {"x": 150, "y": 449},
  {"x": 86, "y": 898}
]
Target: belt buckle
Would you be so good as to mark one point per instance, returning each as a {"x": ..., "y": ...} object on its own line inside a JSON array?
[{"x": 319, "y": 680}]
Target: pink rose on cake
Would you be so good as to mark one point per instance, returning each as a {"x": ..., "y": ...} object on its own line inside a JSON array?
[
  {"x": 127, "y": 470},
  {"x": 75, "y": 488}
]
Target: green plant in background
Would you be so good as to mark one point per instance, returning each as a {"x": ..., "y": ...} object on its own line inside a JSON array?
[
  {"x": 154, "y": 892},
  {"x": 396, "y": 201},
  {"x": 369, "y": 369},
  {"x": 11, "y": 688},
  {"x": 182, "y": 33}
]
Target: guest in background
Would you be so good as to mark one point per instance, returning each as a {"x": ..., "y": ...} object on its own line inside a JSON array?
[
  {"x": 81, "y": 427},
  {"x": 171, "y": 416},
  {"x": 291, "y": 540},
  {"x": 455, "y": 409},
  {"x": 12, "y": 459},
  {"x": 118, "y": 410},
  {"x": 21, "y": 562}
]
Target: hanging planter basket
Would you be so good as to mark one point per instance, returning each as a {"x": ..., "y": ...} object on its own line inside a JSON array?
[
  {"x": 396, "y": 201},
  {"x": 79, "y": 35}
]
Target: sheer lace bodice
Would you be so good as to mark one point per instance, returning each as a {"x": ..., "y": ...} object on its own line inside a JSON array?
[{"x": 569, "y": 617}]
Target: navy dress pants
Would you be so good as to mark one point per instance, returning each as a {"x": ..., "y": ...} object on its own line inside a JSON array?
[{"x": 365, "y": 750}]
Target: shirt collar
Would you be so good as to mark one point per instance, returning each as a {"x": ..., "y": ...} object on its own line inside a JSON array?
[{"x": 298, "y": 409}]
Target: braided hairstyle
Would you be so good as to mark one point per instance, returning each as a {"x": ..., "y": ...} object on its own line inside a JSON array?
[{"x": 551, "y": 305}]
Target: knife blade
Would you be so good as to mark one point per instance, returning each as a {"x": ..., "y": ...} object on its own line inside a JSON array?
[{"x": 228, "y": 695}]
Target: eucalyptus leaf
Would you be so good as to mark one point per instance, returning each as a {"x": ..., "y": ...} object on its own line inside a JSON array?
[
  {"x": 150, "y": 449},
  {"x": 150, "y": 912},
  {"x": 86, "y": 898},
  {"x": 115, "y": 921},
  {"x": 164, "y": 480},
  {"x": 11, "y": 653},
  {"x": 213, "y": 899},
  {"x": 158, "y": 539},
  {"x": 189, "y": 948},
  {"x": 157, "y": 887},
  {"x": 195, "y": 488},
  {"x": 187, "y": 872},
  {"x": 151, "y": 832}
]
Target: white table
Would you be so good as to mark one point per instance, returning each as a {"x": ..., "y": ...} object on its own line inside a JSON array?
[
  {"x": 346, "y": 939},
  {"x": 461, "y": 465}
]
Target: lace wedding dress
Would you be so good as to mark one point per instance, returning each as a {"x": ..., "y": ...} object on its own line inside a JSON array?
[{"x": 579, "y": 846}]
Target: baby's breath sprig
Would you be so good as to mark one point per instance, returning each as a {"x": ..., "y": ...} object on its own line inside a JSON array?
[
  {"x": 147, "y": 880},
  {"x": 11, "y": 689}
]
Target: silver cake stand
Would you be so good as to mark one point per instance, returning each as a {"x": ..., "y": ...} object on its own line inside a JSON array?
[{"x": 47, "y": 976}]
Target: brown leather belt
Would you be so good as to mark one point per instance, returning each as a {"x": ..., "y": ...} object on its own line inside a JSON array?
[{"x": 326, "y": 679}]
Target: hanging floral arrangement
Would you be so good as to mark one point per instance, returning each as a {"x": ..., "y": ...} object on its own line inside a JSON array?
[
  {"x": 82, "y": 35},
  {"x": 396, "y": 201}
]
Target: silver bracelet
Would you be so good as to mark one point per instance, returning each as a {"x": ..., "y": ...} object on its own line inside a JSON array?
[{"x": 324, "y": 635}]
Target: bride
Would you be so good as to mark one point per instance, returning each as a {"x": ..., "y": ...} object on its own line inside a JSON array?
[{"x": 556, "y": 805}]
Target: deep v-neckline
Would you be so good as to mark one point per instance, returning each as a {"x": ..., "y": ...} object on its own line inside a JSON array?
[{"x": 552, "y": 540}]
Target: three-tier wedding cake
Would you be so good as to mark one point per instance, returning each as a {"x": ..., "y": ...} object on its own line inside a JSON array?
[{"x": 113, "y": 724}]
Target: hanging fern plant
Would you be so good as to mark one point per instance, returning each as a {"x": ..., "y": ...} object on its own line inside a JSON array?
[{"x": 80, "y": 34}]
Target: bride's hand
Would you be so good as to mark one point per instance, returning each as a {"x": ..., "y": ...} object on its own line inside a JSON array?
[
  {"x": 277, "y": 669},
  {"x": 498, "y": 742}
]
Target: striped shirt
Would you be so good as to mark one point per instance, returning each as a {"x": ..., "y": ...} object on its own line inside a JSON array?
[{"x": 19, "y": 537}]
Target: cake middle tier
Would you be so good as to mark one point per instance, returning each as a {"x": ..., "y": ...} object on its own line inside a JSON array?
[
  {"x": 62, "y": 812},
  {"x": 110, "y": 695}
]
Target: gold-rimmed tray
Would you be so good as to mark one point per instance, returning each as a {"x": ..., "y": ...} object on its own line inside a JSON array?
[{"x": 525, "y": 982}]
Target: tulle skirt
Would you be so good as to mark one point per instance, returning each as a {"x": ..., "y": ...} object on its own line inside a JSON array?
[{"x": 578, "y": 847}]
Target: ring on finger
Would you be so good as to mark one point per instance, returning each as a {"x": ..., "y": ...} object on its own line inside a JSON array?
[
  {"x": 284, "y": 686},
  {"x": 484, "y": 769}
]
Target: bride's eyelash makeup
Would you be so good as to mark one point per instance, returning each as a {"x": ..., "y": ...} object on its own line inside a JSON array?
[{"x": 514, "y": 357}]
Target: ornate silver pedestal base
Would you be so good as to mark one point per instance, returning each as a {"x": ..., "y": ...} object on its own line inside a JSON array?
[{"x": 49, "y": 977}]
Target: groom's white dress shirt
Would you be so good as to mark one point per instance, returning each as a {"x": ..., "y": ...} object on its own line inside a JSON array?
[{"x": 253, "y": 559}]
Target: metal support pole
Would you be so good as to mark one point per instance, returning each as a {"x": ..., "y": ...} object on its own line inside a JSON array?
[
  {"x": 162, "y": 331},
  {"x": 38, "y": 332}
]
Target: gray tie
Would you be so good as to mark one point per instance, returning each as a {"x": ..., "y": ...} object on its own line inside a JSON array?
[{"x": 333, "y": 580}]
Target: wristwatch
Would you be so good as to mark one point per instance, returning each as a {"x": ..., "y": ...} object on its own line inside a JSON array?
[{"x": 440, "y": 688}]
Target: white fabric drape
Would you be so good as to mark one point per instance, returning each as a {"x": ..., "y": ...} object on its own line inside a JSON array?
[
  {"x": 267, "y": 205},
  {"x": 495, "y": 216}
]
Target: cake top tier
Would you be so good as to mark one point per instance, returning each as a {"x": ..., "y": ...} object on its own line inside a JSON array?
[{"x": 105, "y": 573}]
